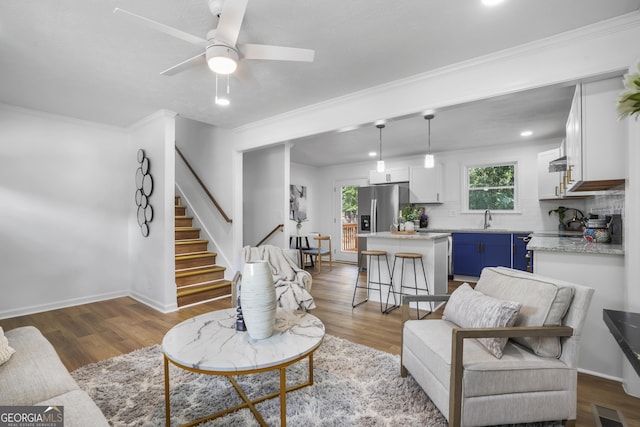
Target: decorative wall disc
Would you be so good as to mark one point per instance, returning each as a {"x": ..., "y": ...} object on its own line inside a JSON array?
[{"x": 144, "y": 188}]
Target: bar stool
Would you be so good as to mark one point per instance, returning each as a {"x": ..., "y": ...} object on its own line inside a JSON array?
[
  {"x": 409, "y": 256},
  {"x": 369, "y": 255}
]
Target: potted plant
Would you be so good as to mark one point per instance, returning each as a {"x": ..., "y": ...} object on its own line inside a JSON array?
[
  {"x": 561, "y": 211},
  {"x": 411, "y": 213}
]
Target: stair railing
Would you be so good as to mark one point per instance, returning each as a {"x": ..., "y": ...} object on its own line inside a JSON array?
[
  {"x": 215, "y": 202},
  {"x": 271, "y": 233}
]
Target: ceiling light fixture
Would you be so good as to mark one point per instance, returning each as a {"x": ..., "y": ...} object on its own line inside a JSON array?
[
  {"x": 380, "y": 164},
  {"x": 491, "y": 2},
  {"x": 526, "y": 133},
  {"x": 429, "y": 160},
  {"x": 222, "y": 59},
  {"x": 222, "y": 100}
]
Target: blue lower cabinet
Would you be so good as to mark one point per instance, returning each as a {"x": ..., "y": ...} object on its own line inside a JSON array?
[{"x": 474, "y": 251}]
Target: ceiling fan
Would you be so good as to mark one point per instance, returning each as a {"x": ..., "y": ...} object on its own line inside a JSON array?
[{"x": 221, "y": 51}]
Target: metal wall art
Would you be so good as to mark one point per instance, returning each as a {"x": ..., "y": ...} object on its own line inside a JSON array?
[{"x": 144, "y": 188}]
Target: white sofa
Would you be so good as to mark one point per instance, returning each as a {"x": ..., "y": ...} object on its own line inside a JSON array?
[
  {"x": 35, "y": 375},
  {"x": 535, "y": 378}
]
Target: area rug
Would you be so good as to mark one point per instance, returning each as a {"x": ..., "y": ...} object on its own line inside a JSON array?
[{"x": 354, "y": 385}]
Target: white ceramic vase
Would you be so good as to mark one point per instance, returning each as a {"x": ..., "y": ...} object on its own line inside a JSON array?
[
  {"x": 258, "y": 299},
  {"x": 408, "y": 226}
]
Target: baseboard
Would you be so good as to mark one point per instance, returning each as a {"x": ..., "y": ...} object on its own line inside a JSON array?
[
  {"x": 24, "y": 311},
  {"x": 600, "y": 375},
  {"x": 156, "y": 305}
]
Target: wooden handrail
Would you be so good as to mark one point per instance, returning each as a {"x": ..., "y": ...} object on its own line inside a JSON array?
[
  {"x": 271, "y": 233},
  {"x": 224, "y": 215}
]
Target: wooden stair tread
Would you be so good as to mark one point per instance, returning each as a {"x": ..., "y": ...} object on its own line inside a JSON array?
[
  {"x": 187, "y": 229},
  {"x": 184, "y": 291},
  {"x": 190, "y": 241},
  {"x": 195, "y": 255},
  {"x": 197, "y": 271}
]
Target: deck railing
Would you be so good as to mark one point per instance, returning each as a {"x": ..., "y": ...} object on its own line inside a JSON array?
[{"x": 350, "y": 237}]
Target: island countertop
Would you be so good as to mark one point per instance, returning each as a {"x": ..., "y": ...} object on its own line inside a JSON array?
[
  {"x": 415, "y": 236},
  {"x": 572, "y": 244}
]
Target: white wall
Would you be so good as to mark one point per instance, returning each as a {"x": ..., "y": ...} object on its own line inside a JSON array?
[
  {"x": 65, "y": 201},
  {"x": 265, "y": 195},
  {"x": 208, "y": 150},
  {"x": 152, "y": 258}
]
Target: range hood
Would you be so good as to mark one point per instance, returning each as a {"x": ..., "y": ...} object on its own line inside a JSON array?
[{"x": 558, "y": 165}]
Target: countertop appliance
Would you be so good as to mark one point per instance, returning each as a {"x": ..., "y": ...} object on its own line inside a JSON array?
[{"x": 378, "y": 209}]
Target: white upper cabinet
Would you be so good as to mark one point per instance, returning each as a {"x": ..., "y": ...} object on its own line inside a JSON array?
[
  {"x": 425, "y": 184},
  {"x": 389, "y": 176},
  {"x": 548, "y": 182},
  {"x": 595, "y": 138}
]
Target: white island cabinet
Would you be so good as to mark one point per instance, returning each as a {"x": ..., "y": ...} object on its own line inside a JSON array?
[
  {"x": 432, "y": 246},
  {"x": 599, "y": 266}
]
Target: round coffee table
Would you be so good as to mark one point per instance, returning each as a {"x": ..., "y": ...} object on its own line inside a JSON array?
[{"x": 209, "y": 344}]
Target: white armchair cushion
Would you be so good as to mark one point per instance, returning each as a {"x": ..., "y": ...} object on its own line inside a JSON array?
[
  {"x": 543, "y": 303},
  {"x": 472, "y": 309}
]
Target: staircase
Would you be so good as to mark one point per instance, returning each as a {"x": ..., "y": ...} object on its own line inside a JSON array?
[{"x": 198, "y": 278}]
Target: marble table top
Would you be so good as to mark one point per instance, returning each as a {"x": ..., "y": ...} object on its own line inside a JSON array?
[
  {"x": 415, "y": 236},
  {"x": 210, "y": 342}
]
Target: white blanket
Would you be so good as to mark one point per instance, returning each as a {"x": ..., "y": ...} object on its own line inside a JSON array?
[{"x": 293, "y": 284}]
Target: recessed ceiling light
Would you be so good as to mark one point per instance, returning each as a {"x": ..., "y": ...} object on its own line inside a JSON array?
[
  {"x": 372, "y": 154},
  {"x": 491, "y": 2},
  {"x": 526, "y": 133}
]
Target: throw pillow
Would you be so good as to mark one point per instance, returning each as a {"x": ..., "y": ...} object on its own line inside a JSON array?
[
  {"x": 468, "y": 308},
  {"x": 5, "y": 350}
]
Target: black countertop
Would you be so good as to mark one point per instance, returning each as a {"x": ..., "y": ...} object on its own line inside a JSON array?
[{"x": 625, "y": 328}]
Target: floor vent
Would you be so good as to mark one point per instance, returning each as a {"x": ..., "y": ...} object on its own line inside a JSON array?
[{"x": 607, "y": 417}]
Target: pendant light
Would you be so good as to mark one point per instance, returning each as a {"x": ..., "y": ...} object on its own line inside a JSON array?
[
  {"x": 429, "y": 160},
  {"x": 380, "y": 163}
]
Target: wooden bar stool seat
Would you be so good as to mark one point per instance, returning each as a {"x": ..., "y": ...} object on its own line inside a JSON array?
[{"x": 368, "y": 286}]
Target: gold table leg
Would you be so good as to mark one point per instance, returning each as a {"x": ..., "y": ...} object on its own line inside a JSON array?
[{"x": 248, "y": 403}]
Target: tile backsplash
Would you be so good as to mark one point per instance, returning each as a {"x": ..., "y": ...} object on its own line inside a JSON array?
[{"x": 606, "y": 204}]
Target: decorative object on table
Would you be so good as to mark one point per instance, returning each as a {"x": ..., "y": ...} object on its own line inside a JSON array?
[
  {"x": 597, "y": 231},
  {"x": 411, "y": 213},
  {"x": 240, "y": 325},
  {"x": 299, "y": 222},
  {"x": 144, "y": 188},
  {"x": 258, "y": 295},
  {"x": 561, "y": 211},
  {"x": 629, "y": 101},
  {"x": 615, "y": 229},
  {"x": 424, "y": 220},
  {"x": 297, "y": 202}
]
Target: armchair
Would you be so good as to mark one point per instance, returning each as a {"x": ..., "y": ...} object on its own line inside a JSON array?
[
  {"x": 293, "y": 284},
  {"x": 535, "y": 378}
]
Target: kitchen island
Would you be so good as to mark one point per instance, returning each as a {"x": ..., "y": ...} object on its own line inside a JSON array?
[
  {"x": 434, "y": 250},
  {"x": 599, "y": 266}
]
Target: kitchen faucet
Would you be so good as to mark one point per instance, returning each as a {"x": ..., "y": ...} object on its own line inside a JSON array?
[{"x": 487, "y": 218}]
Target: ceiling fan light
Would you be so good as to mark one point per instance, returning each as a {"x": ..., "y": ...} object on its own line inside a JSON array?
[
  {"x": 429, "y": 161},
  {"x": 222, "y": 59}
]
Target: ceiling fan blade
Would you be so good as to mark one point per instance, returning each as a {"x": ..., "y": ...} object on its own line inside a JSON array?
[
  {"x": 174, "y": 32},
  {"x": 276, "y": 53},
  {"x": 230, "y": 21},
  {"x": 196, "y": 60}
]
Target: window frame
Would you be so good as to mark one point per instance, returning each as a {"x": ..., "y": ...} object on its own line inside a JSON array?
[{"x": 466, "y": 188}]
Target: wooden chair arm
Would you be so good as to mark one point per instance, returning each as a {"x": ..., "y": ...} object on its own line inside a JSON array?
[
  {"x": 457, "y": 350},
  {"x": 406, "y": 299}
]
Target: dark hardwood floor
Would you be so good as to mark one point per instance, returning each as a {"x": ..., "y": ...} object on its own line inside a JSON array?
[{"x": 88, "y": 333}]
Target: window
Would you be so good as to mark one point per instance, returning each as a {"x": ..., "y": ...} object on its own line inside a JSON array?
[{"x": 491, "y": 187}]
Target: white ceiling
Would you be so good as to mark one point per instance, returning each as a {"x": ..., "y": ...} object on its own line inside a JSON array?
[{"x": 76, "y": 58}]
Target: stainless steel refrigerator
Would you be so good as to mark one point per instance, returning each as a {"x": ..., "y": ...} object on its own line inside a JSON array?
[{"x": 378, "y": 208}]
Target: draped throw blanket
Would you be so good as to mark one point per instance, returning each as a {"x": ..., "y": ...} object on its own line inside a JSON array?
[{"x": 293, "y": 284}]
